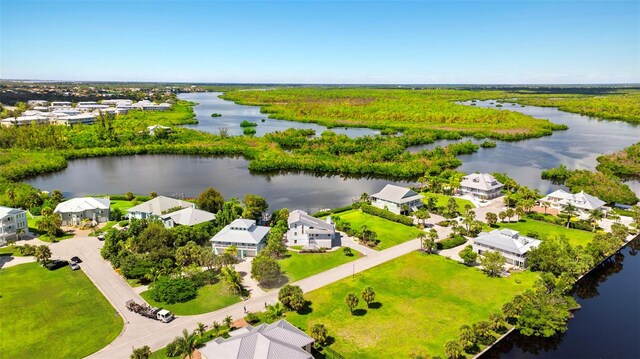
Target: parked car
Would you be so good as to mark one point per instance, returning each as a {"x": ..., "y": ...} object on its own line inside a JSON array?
[
  {"x": 76, "y": 259},
  {"x": 55, "y": 264},
  {"x": 101, "y": 237},
  {"x": 74, "y": 266}
]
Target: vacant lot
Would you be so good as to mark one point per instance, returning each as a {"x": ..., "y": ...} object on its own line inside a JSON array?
[
  {"x": 389, "y": 233},
  {"x": 443, "y": 199},
  {"x": 53, "y": 314},
  {"x": 424, "y": 297},
  {"x": 302, "y": 265}
]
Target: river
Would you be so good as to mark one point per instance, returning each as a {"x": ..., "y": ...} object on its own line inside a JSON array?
[{"x": 606, "y": 326}]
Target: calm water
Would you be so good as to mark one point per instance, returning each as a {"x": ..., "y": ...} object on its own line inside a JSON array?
[
  {"x": 232, "y": 115},
  {"x": 577, "y": 148},
  {"x": 189, "y": 175},
  {"x": 607, "y": 325}
]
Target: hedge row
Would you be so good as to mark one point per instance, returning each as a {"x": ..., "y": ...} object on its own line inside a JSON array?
[{"x": 383, "y": 213}]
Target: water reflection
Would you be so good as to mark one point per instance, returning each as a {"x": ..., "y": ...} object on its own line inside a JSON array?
[
  {"x": 606, "y": 326},
  {"x": 233, "y": 114}
]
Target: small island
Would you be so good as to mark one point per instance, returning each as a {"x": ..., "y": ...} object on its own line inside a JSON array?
[{"x": 216, "y": 114}]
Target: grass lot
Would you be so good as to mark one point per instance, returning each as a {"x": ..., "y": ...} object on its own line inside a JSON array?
[
  {"x": 210, "y": 298},
  {"x": 33, "y": 228},
  {"x": 53, "y": 314},
  {"x": 426, "y": 297},
  {"x": 302, "y": 265},
  {"x": 123, "y": 205},
  {"x": 9, "y": 251},
  {"x": 389, "y": 233},
  {"x": 575, "y": 236},
  {"x": 443, "y": 199}
]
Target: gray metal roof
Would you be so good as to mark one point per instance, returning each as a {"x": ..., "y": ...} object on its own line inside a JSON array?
[
  {"x": 160, "y": 204},
  {"x": 481, "y": 181},
  {"x": 5, "y": 211},
  {"x": 190, "y": 216},
  {"x": 299, "y": 216},
  {"x": 82, "y": 204},
  {"x": 580, "y": 200},
  {"x": 279, "y": 340},
  {"x": 397, "y": 194},
  {"x": 507, "y": 240},
  {"x": 242, "y": 231}
]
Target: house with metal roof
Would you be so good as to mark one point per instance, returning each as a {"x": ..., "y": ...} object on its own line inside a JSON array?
[
  {"x": 583, "y": 202},
  {"x": 394, "y": 198},
  {"x": 187, "y": 217},
  {"x": 481, "y": 185},
  {"x": 509, "y": 243},
  {"x": 157, "y": 207},
  {"x": 75, "y": 210},
  {"x": 12, "y": 220},
  {"x": 278, "y": 340},
  {"x": 310, "y": 232},
  {"x": 244, "y": 234}
]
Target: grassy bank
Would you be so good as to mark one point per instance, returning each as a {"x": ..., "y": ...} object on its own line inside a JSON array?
[
  {"x": 53, "y": 314},
  {"x": 302, "y": 265},
  {"x": 388, "y": 233},
  {"x": 544, "y": 229}
]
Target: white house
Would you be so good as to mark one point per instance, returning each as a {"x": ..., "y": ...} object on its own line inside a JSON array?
[
  {"x": 157, "y": 207},
  {"x": 244, "y": 234},
  {"x": 509, "y": 243},
  {"x": 583, "y": 202},
  {"x": 278, "y": 340},
  {"x": 394, "y": 198},
  {"x": 75, "y": 210},
  {"x": 187, "y": 217},
  {"x": 307, "y": 231},
  {"x": 481, "y": 185},
  {"x": 152, "y": 129},
  {"x": 11, "y": 221}
]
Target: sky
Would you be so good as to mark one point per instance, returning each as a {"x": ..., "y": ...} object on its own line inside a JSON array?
[{"x": 320, "y": 42}]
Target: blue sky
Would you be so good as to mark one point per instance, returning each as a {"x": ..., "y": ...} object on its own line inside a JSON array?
[{"x": 322, "y": 41}]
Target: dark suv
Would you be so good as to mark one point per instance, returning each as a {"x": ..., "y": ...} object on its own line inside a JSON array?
[{"x": 58, "y": 263}]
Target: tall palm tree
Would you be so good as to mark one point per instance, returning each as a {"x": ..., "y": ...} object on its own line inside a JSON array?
[
  {"x": 422, "y": 236},
  {"x": 228, "y": 321},
  {"x": 570, "y": 210},
  {"x": 232, "y": 279},
  {"x": 187, "y": 344},
  {"x": 594, "y": 217},
  {"x": 215, "y": 326},
  {"x": 453, "y": 349},
  {"x": 276, "y": 310},
  {"x": 11, "y": 194},
  {"x": 201, "y": 329},
  {"x": 545, "y": 205},
  {"x": 42, "y": 253}
]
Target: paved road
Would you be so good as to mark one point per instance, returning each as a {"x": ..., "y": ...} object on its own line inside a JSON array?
[{"x": 141, "y": 331}]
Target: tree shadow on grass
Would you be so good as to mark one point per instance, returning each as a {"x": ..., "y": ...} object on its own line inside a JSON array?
[
  {"x": 375, "y": 305},
  {"x": 359, "y": 312},
  {"x": 277, "y": 284},
  {"x": 307, "y": 309}
]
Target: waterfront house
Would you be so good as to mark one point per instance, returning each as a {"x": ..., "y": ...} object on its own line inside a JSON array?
[
  {"x": 244, "y": 234},
  {"x": 266, "y": 341},
  {"x": 75, "y": 210},
  {"x": 310, "y": 232},
  {"x": 481, "y": 185},
  {"x": 187, "y": 217},
  {"x": 397, "y": 199},
  {"x": 583, "y": 202},
  {"x": 12, "y": 221},
  {"x": 157, "y": 207},
  {"x": 152, "y": 129},
  {"x": 509, "y": 243}
]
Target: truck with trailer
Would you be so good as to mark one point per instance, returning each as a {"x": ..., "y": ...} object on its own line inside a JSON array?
[{"x": 160, "y": 314}]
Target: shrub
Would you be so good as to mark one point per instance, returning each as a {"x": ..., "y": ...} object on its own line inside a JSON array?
[
  {"x": 249, "y": 131},
  {"x": 488, "y": 144},
  {"x": 173, "y": 290},
  {"x": 246, "y": 123},
  {"x": 123, "y": 223},
  {"x": 382, "y": 213},
  {"x": 291, "y": 296},
  {"x": 26, "y": 250},
  {"x": 252, "y": 318},
  {"x": 314, "y": 250},
  {"x": 452, "y": 242},
  {"x": 347, "y": 251},
  {"x": 128, "y": 196},
  {"x": 173, "y": 348}
]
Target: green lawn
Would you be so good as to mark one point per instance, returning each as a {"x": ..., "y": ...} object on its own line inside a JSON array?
[
  {"x": 424, "y": 297},
  {"x": 575, "y": 236},
  {"x": 33, "y": 228},
  {"x": 302, "y": 265},
  {"x": 210, "y": 298},
  {"x": 389, "y": 233},
  {"x": 443, "y": 199},
  {"x": 123, "y": 205},
  {"x": 53, "y": 314},
  {"x": 9, "y": 251}
]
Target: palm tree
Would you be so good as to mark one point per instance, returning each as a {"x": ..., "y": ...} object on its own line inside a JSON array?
[
  {"x": 502, "y": 215},
  {"x": 519, "y": 212},
  {"x": 232, "y": 279},
  {"x": 527, "y": 204},
  {"x": 352, "y": 301},
  {"x": 497, "y": 321},
  {"x": 319, "y": 333},
  {"x": 216, "y": 328},
  {"x": 364, "y": 197},
  {"x": 276, "y": 310},
  {"x": 432, "y": 203},
  {"x": 545, "y": 205},
  {"x": 201, "y": 329},
  {"x": 510, "y": 213},
  {"x": 594, "y": 217},
  {"x": 469, "y": 219},
  {"x": 11, "y": 194},
  {"x": 20, "y": 232},
  {"x": 141, "y": 353},
  {"x": 570, "y": 210},
  {"x": 42, "y": 253},
  {"x": 228, "y": 321},
  {"x": 187, "y": 344},
  {"x": 422, "y": 214},
  {"x": 467, "y": 336},
  {"x": 453, "y": 349},
  {"x": 422, "y": 236},
  {"x": 368, "y": 295},
  {"x": 614, "y": 217}
]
